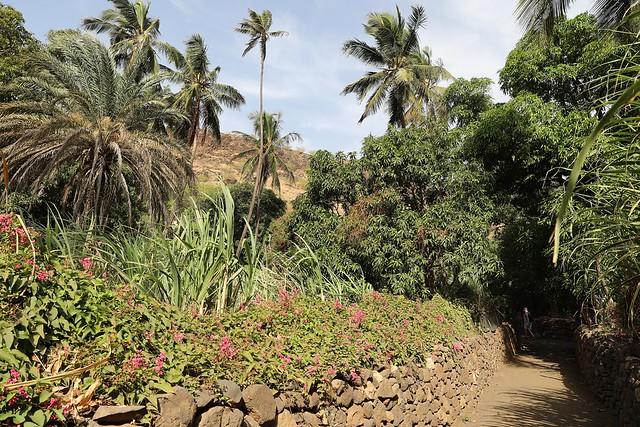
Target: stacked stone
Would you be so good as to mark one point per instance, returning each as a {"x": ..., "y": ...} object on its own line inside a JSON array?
[
  {"x": 433, "y": 394},
  {"x": 609, "y": 364}
]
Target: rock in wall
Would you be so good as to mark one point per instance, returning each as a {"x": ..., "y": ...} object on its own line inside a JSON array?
[{"x": 610, "y": 364}]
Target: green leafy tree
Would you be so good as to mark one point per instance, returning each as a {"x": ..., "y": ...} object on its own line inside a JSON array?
[
  {"x": 258, "y": 27},
  {"x": 16, "y": 43},
  {"x": 526, "y": 145},
  {"x": 201, "y": 96},
  {"x": 335, "y": 180},
  {"x": 132, "y": 32},
  {"x": 405, "y": 78},
  {"x": 274, "y": 141},
  {"x": 567, "y": 68},
  {"x": 80, "y": 114},
  {"x": 411, "y": 213},
  {"x": 465, "y": 100}
]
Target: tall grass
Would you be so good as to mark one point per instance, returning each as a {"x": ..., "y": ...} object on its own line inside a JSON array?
[{"x": 193, "y": 264}]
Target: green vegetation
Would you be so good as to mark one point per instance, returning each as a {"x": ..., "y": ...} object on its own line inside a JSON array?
[
  {"x": 118, "y": 280},
  {"x": 57, "y": 318}
]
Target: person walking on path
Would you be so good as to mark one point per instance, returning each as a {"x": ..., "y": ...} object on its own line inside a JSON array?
[{"x": 526, "y": 318}]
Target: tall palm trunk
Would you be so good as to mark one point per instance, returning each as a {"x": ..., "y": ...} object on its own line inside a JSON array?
[
  {"x": 257, "y": 188},
  {"x": 193, "y": 128}
]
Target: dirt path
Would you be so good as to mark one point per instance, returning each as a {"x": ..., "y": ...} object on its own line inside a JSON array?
[{"x": 542, "y": 387}]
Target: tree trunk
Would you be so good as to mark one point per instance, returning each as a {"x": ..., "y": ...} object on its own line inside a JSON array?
[
  {"x": 193, "y": 128},
  {"x": 257, "y": 188}
]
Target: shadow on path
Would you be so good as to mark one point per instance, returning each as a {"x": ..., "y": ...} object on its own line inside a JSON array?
[{"x": 541, "y": 387}]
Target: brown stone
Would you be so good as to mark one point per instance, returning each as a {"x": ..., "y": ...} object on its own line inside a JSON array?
[
  {"x": 358, "y": 397},
  {"x": 118, "y": 414},
  {"x": 177, "y": 409},
  {"x": 285, "y": 419},
  {"x": 355, "y": 416},
  {"x": 346, "y": 398},
  {"x": 387, "y": 389},
  {"x": 310, "y": 420},
  {"x": 260, "y": 403},
  {"x": 230, "y": 391}
]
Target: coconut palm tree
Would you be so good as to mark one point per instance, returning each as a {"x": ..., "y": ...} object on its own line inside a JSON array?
[
  {"x": 542, "y": 14},
  {"x": 258, "y": 27},
  {"x": 426, "y": 96},
  {"x": 131, "y": 30},
  {"x": 400, "y": 65},
  {"x": 274, "y": 164},
  {"x": 201, "y": 96},
  {"x": 82, "y": 115}
]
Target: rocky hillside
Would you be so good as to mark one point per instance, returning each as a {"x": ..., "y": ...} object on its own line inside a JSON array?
[{"x": 214, "y": 162}]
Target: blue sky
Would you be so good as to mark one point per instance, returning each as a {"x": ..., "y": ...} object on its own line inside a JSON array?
[{"x": 306, "y": 71}]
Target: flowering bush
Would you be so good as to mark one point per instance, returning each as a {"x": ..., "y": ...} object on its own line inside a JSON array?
[{"x": 57, "y": 318}]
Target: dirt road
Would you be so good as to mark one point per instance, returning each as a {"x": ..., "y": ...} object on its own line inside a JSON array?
[{"x": 542, "y": 387}]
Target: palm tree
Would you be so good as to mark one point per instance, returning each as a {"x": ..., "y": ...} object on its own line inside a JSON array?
[
  {"x": 274, "y": 164},
  {"x": 401, "y": 66},
  {"x": 131, "y": 30},
  {"x": 543, "y": 14},
  {"x": 426, "y": 96},
  {"x": 258, "y": 28},
  {"x": 201, "y": 96},
  {"x": 80, "y": 114}
]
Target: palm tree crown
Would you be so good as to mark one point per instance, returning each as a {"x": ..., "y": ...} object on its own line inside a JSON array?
[
  {"x": 258, "y": 28},
  {"x": 201, "y": 95},
  {"x": 274, "y": 164},
  {"x": 404, "y": 77},
  {"x": 79, "y": 113},
  {"x": 543, "y": 14},
  {"x": 131, "y": 30}
]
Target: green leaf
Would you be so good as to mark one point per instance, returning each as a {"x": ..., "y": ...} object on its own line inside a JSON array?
[
  {"x": 162, "y": 386},
  {"x": 39, "y": 418},
  {"x": 45, "y": 396}
]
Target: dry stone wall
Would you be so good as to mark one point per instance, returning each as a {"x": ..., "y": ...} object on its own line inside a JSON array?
[
  {"x": 433, "y": 394},
  {"x": 611, "y": 365}
]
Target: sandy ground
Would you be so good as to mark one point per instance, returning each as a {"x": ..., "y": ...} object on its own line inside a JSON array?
[{"x": 542, "y": 387}]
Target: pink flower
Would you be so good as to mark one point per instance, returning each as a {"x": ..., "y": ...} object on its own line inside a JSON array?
[
  {"x": 405, "y": 323},
  {"x": 331, "y": 372},
  {"x": 227, "y": 349},
  {"x": 178, "y": 337},
  {"x": 358, "y": 317},
  {"x": 376, "y": 295},
  {"x": 14, "y": 376},
  {"x": 6, "y": 221},
  {"x": 52, "y": 403},
  {"x": 136, "y": 362},
  {"x": 337, "y": 305},
  {"x": 23, "y": 393},
  {"x": 86, "y": 263},
  {"x": 160, "y": 359},
  {"x": 17, "y": 266},
  {"x": 457, "y": 346},
  {"x": 355, "y": 377},
  {"x": 43, "y": 275},
  {"x": 440, "y": 318},
  {"x": 285, "y": 360}
]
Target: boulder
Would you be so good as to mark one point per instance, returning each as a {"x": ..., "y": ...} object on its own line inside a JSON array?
[
  {"x": 231, "y": 391},
  {"x": 355, "y": 416},
  {"x": 285, "y": 419},
  {"x": 177, "y": 409},
  {"x": 205, "y": 399},
  {"x": 118, "y": 414},
  {"x": 260, "y": 403}
]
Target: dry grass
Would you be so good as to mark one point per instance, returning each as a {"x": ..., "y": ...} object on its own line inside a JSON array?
[{"x": 214, "y": 162}]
